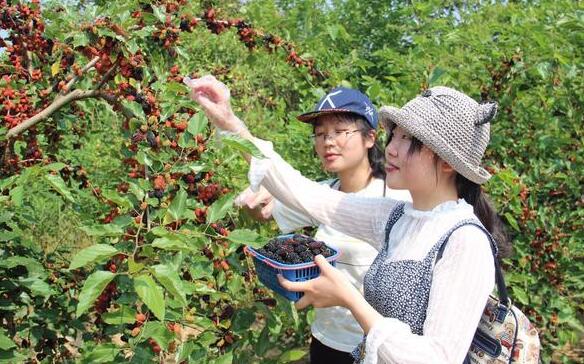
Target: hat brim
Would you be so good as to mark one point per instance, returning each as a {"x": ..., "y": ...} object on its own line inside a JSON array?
[
  {"x": 310, "y": 116},
  {"x": 390, "y": 116}
]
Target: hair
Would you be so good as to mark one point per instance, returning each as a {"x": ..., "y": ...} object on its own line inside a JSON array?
[
  {"x": 474, "y": 195},
  {"x": 375, "y": 154}
]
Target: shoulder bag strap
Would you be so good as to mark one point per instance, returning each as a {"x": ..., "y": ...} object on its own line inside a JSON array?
[
  {"x": 394, "y": 215},
  {"x": 499, "y": 279}
]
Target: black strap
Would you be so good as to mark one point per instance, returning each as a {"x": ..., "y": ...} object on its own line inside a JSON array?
[
  {"x": 394, "y": 215},
  {"x": 334, "y": 182},
  {"x": 499, "y": 278}
]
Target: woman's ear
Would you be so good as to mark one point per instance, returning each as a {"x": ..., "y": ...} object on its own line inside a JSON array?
[
  {"x": 370, "y": 139},
  {"x": 446, "y": 168}
]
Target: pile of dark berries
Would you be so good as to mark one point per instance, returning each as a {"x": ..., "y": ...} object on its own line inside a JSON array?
[{"x": 295, "y": 249}]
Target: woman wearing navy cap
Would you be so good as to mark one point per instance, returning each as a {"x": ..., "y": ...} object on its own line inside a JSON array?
[
  {"x": 423, "y": 298},
  {"x": 344, "y": 123}
]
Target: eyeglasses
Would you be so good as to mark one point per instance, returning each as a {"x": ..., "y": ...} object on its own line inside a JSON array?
[{"x": 338, "y": 136}]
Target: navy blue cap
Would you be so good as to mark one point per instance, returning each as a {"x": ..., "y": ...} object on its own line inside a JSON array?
[{"x": 343, "y": 100}]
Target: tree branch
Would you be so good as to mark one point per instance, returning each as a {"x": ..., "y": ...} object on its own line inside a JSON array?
[{"x": 61, "y": 101}]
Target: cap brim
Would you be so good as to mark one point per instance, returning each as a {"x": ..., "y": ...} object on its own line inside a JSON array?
[{"x": 310, "y": 116}]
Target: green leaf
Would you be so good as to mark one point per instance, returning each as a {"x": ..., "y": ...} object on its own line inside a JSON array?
[
  {"x": 80, "y": 39},
  {"x": 435, "y": 75},
  {"x": 134, "y": 267},
  {"x": 176, "y": 87},
  {"x": 202, "y": 288},
  {"x": 94, "y": 285},
  {"x": 243, "y": 320},
  {"x": 151, "y": 294},
  {"x": 5, "y": 342},
  {"x": 31, "y": 265},
  {"x": 92, "y": 254},
  {"x": 124, "y": 315},
  {"x": 197, "y": 124},
  {"x": 7, "y": 182},
  {"x": 137, "y": 191},
  {"x": 243, "y": 145},
  {"x": 37, "y": 286},
  {"x": 169, "y": 278},
  {"x": 227, "y": 358},
  {"x": 520, "y": 295},
  {"x": 178, "y": 205},
  {"x": 116, "y": 198},
  {"x": 193, "y": 167},
  {"x": 142, "y": 158},
  {"x": 219, "y": 208},
  {"x": 158, "y": 332},
  {"x": 170, "y": 242},
  {"x": 135, "y": 108},
  {"x": 105, "y": 353},
  {"x": 159, "y": 13},
  {"x": 55, "y": 167},
  {"x": 186, "y": 140},
  {"x": 511, "y": 220},
  {"x": 292, "y": 355},
  {"x": 17, "y": 195},
  {"x": 103, "y": 230},
  {"x": 58, "y": 183},
  {"x": 201, "y": 269},
  {"x": 132, "y": 46},
  {"x": 246, "y": 237}
]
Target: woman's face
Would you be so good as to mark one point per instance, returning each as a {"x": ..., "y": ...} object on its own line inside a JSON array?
[
  {"x": 340, "y": 144},
  {"x": 415, "y": 171}
]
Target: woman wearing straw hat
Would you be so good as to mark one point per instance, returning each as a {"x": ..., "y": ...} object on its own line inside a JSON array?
[
  {"x": 344, "y": 123},
  {"x": 415, "y": 308}
]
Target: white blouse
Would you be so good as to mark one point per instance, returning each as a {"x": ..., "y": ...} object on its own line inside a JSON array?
[
  {"x": 462, "y": 279},
  {"x": 336, "y": 327}
]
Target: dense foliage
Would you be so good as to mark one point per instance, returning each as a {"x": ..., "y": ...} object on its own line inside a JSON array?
[{"x": 119, "y": 239}]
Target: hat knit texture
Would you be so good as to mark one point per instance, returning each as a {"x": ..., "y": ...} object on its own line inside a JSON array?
[{"x": 451, "y": 124}]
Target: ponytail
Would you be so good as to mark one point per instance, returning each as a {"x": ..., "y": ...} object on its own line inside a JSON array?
[{"x": 473, "y": 194}]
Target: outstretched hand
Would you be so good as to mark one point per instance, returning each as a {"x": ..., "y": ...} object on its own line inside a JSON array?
[
  {"x": 214, "y": 98},
  {"x": 258, "y": 204},
  {"x": 331, "y": 288}
]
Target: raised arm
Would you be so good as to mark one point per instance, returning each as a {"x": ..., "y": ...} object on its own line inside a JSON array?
[{"x": 361, "y": 217}]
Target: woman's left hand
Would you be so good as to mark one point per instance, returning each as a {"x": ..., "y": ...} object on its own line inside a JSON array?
[{"x": 331, "y": 288}]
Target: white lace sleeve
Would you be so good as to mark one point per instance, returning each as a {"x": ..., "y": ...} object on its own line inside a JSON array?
[
  {"x": 361, "y": 217},
  {"x": 288, "y": 219}
]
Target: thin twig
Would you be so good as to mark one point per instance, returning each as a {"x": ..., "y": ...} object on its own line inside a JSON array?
[
  {"x": 76, "y": 77},
  {"x": 28, "y": 55},
  {"x": 107, "y": 75}
]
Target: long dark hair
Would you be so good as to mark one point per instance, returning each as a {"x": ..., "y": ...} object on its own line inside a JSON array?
[
  {"x": 375, "y": 154},
  {"x": 474, "y": 195}
]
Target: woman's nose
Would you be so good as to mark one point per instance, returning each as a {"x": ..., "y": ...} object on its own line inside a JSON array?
[
  {"x": 390, "y": 149},
  {"x": 329, "y": 139}
]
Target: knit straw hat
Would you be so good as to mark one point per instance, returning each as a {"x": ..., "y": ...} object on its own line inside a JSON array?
[{"x": 451, "y": 124}]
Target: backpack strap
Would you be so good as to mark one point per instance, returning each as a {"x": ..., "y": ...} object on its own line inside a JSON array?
[
  {"x": 394, "y": 215},
  {"x": 499, "y": 278}
]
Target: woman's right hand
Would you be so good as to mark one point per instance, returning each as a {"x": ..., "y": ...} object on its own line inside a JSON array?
[
  {"x": 258, "y": 204},
  {"x": 214, "y": 98}
]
